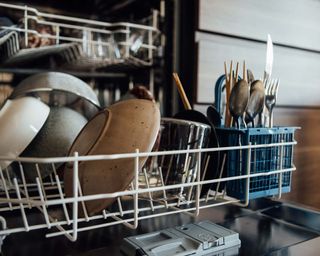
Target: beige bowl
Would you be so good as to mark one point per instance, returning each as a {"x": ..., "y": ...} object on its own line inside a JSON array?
[{"x": 121, "y": 128}]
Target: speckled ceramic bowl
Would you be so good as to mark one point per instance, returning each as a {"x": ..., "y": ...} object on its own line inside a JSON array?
[
  {"x": 54, "y": 139},
  {"x": 122, "y": 128}
]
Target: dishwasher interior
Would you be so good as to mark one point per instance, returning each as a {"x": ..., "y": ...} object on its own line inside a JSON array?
[{"x": 177, "y": 174}]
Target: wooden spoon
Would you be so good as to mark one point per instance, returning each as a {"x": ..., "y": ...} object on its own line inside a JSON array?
[{"x": 188, "y": 113}]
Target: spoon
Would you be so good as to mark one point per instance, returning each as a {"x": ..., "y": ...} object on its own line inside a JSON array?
[
  {"x": 250, "y": 76},
  {"x": 239, "y": 99},
  {"x": 213, "y": 116},
  {"x": 256, "y": 101}
]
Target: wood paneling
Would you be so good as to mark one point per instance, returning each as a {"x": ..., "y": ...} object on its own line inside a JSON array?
[
  {"x": 294, "y": 23},
  {"x": 306, "y": 180},
  {"x": 226, "y": 27},
  {"x": 298, "y": 70}
]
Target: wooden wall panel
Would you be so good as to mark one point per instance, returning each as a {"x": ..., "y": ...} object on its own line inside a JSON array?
[
  {"x": 236, "y": 30},
  {"x": 294, "y": 23},
  {"x": 306, "y": 180},
  {"x": 298, "y": 70}
]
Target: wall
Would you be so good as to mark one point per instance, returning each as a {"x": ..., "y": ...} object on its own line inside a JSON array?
[{"x": 237, "y": 30}]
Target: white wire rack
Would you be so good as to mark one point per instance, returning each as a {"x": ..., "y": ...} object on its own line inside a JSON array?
[
  {"x": 101, "y": 43},
  {"x": 147, "y": 197}
]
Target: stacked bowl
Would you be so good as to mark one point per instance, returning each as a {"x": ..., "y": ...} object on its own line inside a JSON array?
[{"x": 42, "y": 117}]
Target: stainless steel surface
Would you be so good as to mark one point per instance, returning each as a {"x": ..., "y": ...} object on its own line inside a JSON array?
[
  {"x": 261, "y": 233},
  {"x": 179, "y": 134}
]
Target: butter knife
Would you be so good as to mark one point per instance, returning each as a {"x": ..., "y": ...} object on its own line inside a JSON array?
[{"x": 269, "y": 59}]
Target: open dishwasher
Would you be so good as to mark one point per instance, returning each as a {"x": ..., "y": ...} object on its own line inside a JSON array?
[{"x": 175, "y": 186}]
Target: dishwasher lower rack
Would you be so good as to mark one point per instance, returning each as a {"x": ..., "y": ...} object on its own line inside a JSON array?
[{"x": 148, "y": 196}]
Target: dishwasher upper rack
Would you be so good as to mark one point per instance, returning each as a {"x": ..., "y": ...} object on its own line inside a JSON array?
[
  {"x": 144, "y": 199},
  {"x": 82, "y": 43}
]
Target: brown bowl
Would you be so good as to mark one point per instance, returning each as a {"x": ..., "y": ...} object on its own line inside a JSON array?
[{"x": 121, "y": 128}]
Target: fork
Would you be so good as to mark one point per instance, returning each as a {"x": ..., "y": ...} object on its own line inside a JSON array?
[{"x": 271, "y": 98}]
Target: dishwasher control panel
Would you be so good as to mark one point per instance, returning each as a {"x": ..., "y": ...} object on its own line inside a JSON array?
[{"x": 202, "y": 238}]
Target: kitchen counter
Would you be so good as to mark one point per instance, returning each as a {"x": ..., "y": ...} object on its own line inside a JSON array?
[{"x": 266, "y": 227}]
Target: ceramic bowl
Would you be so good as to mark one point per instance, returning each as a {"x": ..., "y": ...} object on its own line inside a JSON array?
[
  {"x": 20, "y": 121},
  {"x": 5, "y": 92},
  {"x": 60, "y": 89},
  {"x": 121, "y": 128},
  {"x": 54, "y": 139}
]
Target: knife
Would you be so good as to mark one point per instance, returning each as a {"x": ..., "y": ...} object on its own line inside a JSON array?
[
  {"x": 263, "y": 118},
  {"x": 269, "y": 59}
]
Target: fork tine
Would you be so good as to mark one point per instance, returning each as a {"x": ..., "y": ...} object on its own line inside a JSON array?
[
  {"x": 269, "y": 86},
  {"x": 275, "y": 87},
  {"x": 269, "y": 82}
]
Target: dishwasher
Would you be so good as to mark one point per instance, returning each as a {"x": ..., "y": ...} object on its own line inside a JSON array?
[{"x": 171, "y": 188}]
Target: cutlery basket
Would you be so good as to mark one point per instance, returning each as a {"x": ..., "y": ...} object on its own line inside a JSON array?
[{"x": 262, "y": 160}]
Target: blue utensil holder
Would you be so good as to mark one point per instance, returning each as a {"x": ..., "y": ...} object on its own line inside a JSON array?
[{"x": 264, "y": 159}]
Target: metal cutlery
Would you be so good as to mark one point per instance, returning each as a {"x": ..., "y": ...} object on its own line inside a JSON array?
[
  {"x": 269, "y": 59},
  {"x": 239, "y": 99},
  {"x": 271, "y": 98},
  {"x": 256, "y": 101}
]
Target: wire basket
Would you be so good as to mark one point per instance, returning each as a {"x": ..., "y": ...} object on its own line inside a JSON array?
[
  {"x": 260, "y": 160},
  {"x": 80, "y": 43},
  {"x": 43, "y": 203}
]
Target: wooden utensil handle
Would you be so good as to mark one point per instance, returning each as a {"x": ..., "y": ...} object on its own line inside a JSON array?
[{"x": 182, "y": 93}]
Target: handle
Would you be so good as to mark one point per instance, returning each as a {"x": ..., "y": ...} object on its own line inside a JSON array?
[
  {"x": 182, "y": 93},
  {"x": 217, "y": 92}
]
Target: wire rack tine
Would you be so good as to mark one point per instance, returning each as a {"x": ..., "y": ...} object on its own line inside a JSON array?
[
  {"x": 45, "y": 213},
  {"x": 41, "y": 182},
  {"x": 5, "y": 188},
  {"x": 23, "y": 213},
  {"x": 148, "y": 186},
  {"x": 66, "y": 214},
  {"x": 24, "y": 183},
  {"x": 162, "y": 184}
]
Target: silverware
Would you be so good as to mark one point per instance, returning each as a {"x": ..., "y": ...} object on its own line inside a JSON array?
[
  {"x": 267, "y": 74},
  {"x": 250, "y": 76},
  {"x": 269, "y": 59},
  {"x": 256, "y": 101},
  {"x": 239, "y": 98},
  {"x": 271, "y": 98}
]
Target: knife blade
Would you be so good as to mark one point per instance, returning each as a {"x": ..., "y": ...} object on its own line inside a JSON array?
[{"x": 269, "y": 59}]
